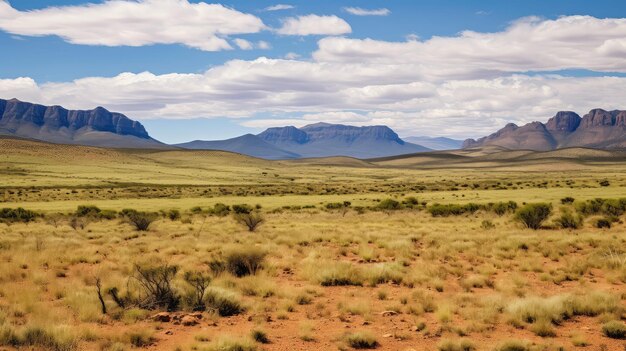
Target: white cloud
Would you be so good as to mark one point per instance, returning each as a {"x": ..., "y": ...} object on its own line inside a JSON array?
[
  {"x": 357, "y": 11},
  {"x": 263, "y": 45},
  {"x": 314, "y": 25},
  {"x": 243, "y": 44},
  {"x": 279, "y": 7},
  {"x": 292, "y": 56},
  {"x": 574, "y": 42},
  {"x": 134, "y": 23},
  {"x": 470, "y": 88}
]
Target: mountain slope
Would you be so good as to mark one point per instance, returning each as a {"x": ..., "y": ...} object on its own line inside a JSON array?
[
  {"x": 315, "y": 140},
  {"x": 597, "y": 129},
  {"x": 436, "y": 143},
  {"x": 97, "y": 127},
  {"x": 323, "y": 139},
  {"x": 248, "y": 144}
]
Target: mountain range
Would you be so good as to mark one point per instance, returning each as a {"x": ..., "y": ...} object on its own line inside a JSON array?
[
  {"x": 315, "y": 140},
  {"x": 597, "y": 129},
  {"x": 97, "y": 127}
]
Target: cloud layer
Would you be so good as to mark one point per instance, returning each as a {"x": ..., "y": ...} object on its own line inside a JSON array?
[
  {"x": 134, "y": 23},
  {"x": 460, "y": 86}
]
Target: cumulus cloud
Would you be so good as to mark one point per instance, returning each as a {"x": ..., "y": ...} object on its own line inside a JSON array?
[
  {"x": 357, "y": 11},
  {"x": 279, "y": 7},
  {"x": 530, "y": 44},
  {"x": 134, "y": 23},
  {"x": 465, "y": 90},
  {"x": 314, "y": 25}
]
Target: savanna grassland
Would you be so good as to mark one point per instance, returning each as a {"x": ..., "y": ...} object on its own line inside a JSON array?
[{"x": 200, "y": 250}]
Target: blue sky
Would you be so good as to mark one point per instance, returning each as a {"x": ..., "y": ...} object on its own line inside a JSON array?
[{"x": 335, "y": 65}]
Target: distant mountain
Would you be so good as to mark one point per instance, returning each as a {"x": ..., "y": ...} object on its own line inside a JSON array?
[
  {"x": 315, "y": 140},
  {"x": 598, "y": 129},
  {"x": 248, "y": 144},
  {"x": 436, "y": 143},
  {"x": 97, "y": 127}
]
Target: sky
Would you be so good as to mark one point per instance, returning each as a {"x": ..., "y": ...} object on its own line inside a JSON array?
[{"x": 206, "y": 70}]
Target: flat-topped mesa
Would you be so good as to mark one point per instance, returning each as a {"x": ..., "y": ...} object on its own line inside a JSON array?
[
  {"x": 14, "y": 114},
  {"x": 597, "y": 129},
  {"x": 284, "y": 135}
]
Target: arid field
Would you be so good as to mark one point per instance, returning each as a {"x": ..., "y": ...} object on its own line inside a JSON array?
[{"x": 482, "y": 249}]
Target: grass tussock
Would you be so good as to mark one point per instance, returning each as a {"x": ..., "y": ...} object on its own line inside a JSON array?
[{"x": 362, "y": 340}]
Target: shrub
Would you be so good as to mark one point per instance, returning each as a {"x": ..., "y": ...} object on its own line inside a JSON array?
[
  {"x": 244, "y": 261},
  {"x": 613, "y": 208},
  {"x": 501, "y": 208},
  {"x": 141, "y": 338},
  {"x": 173, "y": 214},
  {"x": 221, "y": 210},
  {"x": 140, "y": 220},
  {"x": 231, "y": 344},
  {"x": 260, "y": 336},
  {"x": 458, "y": 345},
  {"x": 251, "y": 220},
  {"x": 614, "y": 330},
  {"x": 411, "y": 202},
  {"x": 46, "y": 339},
  {"x": 200, "y": 282},
  {"x": 568, "y": 220},
  {"x": 338, "y": 274},
  {"x": 487, "y": 224},
  {"x": 11, "y": 215},
  {"x": 533, "y": 215},
  {"x": 567, "y": 200},
  {"x": 513, "y": 345},
  {"x": 590, "y": 207},
  {"x": 389, "y": 205},
  {"x": 242, "y": 209},
  {"x": 155, "y": 282},
  {"x": 603, "y": 223},
  {"x": 87, "y": 211},
  {"x": 445, "y": 210},
  {"x": 223, "y": 302},
  {"x": 362, "y": 340}
]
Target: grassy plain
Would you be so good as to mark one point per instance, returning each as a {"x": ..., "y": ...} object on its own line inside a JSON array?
[{"x": 352, "y": 277}]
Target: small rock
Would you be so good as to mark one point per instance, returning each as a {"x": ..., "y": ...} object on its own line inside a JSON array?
[
  {"x": 162, "y": 317},
  {"x": 197, "y": 315},
  {"x": 387, "y": 335},
  {"x": 169, "y": 332},
  {"x": 388, "y": 313},
  {"x": 189, "y": 321}
]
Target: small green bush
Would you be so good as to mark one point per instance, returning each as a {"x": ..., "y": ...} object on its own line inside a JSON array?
[
  {"x": 223, "y": 302},
  {"x": 244, "y": 261},
  {"x": 603, "y": 223},
  {"x": 250, "y": 220},
  {"x": 445, "y": 210},
  {"x": 567, "y": 200},
  {"x": 389, "y": 205},
  {"x": 568, "y": 220},
  {"x": 242, "y": 209},
  {"x": 260, "y": 336},
  {"x": 11, "y": 215},
  {"x": 140, "y": 220},
  {"x": 513, "y": 345},
  {"x": 220, "y": 210},
  {"x": 456, "y": 345},
  {"x": 614, "y": 330},
  {"x": 173, "y": 214},
  {"x": 533, "y": 215},
  {"x": 362, "y": 340}
]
